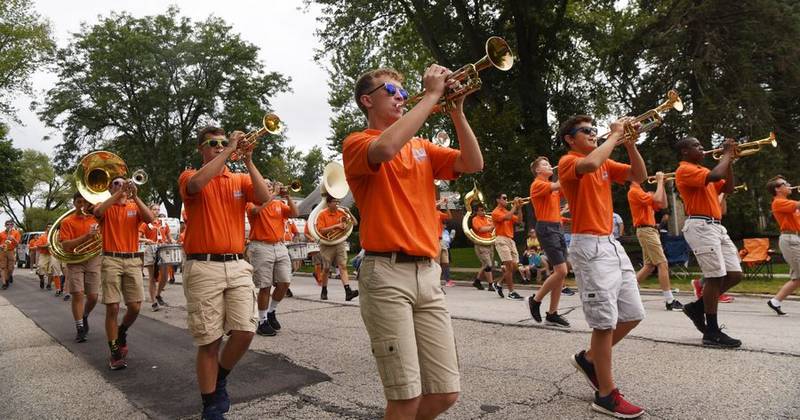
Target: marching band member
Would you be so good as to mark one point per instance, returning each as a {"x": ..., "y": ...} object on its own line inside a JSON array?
[
  {"x": 83, "y": 279},
  {"x": 154, "y": 234},
  {"x": 443, "y": 259},
  {"x": 504, "y": 221},
  {"x": 269, "y": 255},
  {"x": 9, "y": 239},
  {"x": 47, "y": 265},
  {"x": 391, "y": 173},
  {"x": 787, "y": 213},
  {"x": 546, "y": 199},
  {"x": 715, "y": 252},
  {"x": 217, "y": 281},
  {"x": 643, "y": 205},
  {"x": 121, "y": 267},
  {"x": 316, "y": 259},
  {"x": 483, "y": 227},
  {"x": 329, "y": 221},
  {"x": 604, "y": 273}
]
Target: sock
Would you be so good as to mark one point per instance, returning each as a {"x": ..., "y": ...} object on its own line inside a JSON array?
[
  {"x": 113, "y": 346},
  {"x": 262, "y": 315},
  {"x": 222, "y": 373},
  {"x": 668, "y": 296},
  {"x": 79, "y": 323},
  {"x": 325, "y": 289},
  {"x": 446, "y": 273},
  {"x": 273, "y": 305},
  {"x": 347, "y": 288},
  {"x": 208, "y": 399},
  {"x": 711, "y": 322},
  {"x": 63, "y": 281},
  {"x": 775, "y": 302}
]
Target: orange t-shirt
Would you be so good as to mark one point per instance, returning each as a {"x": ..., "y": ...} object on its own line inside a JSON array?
[
  {"x": 157, "y": 231},
  {"x": 786, "y": 213},
  {"x": 546, "y": 201},
  {"x": 216, "y": 213},
  {"x": 75, "y": 225},
  {"x": 396, "y": 199},
  {"x": 291, "y": 231},
  {"x": 326, "y": 219},
  {"x": 120, "y": 227},
  {"x": 699, "y": 198},
  {"x": 589, "y": 194},
  {"x": 443, "y": 217},
  {"x": 642, "y": 206},
  {"x": 503, "y": 227},
  {"x": 14, "y": 236},
  {"x": 40, "y": 244},
  {"x": 270, "y": 224},
  {"x": 479, "y": 222}
]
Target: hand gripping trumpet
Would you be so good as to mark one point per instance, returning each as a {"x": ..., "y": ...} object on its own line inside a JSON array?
[
  {"x": 745, "y": 149},
  {"x": 650, "y": 119},
  {"x": 271, "y": 124}
]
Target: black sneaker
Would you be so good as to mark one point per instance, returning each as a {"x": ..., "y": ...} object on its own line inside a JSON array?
[
  {"x": 160, "y": 300},
  {"x": 81, "y": 337},
  {"x": 477, "y": 284},
  {"x": 41, "y": 283},
  {"x": 5, "y": 286},
  {"x": 66, "y": 298},
  {"x": 221, "y": 395},
  {"x": 720, "y": 339},
  {"x": 324, "y": 294},
  {"x": 674, "y": 305},
  {"x": 49, "y": 286},
  {"x": 273, "y": 321},
  {"x": 117, "y": 361},
  {"x": 212, "y": 412},
  {"x": 289, "y": 293},
  {"x": 567, "y": 291},
  {"x": 86, "y": 324},
  {"x": 556, "y": 320},
  {"x": 587, "y": 369},
  {"x": 58, "y": 293},
  {"x": 350, "y": 295},
  {"x": 155, "y": 306},
  {"x": 534, "y": 306},
  {"x": 499, "y": 289},
  {"x": 491, "y": 287},
  {"x": 696, "y": 314},
  {"x": 777, "y": 309},
  {"x": 514, "y": 296},
  {"x": 265, "y": 329}
]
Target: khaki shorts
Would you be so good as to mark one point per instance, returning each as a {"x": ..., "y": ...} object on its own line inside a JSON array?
[
  {"x": 336, "y": 254},
  {"x": 444, "y": 257},
  {"x": 790, "y": 248},
  {"x": 484, "y": 253},
  {"x": 271, "y": 263},
  {"x": 650, "y": 240},
  {"x": 715, "y": 252},
  {"x": 506, "y": 249},
  {"x": 411, "y": 336},
  {"x": 85, "y": 277},
  {"x": 606, "y": 281},
  {"x": 220, "y": 298},
  {"x": 122, "y": 279},
  {"x": 48, "y": 265},
  {"x": 8, "y": 260}
]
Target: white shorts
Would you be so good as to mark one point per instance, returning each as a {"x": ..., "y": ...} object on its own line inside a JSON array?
[
  {"x": 606, "y": 281},
  {"x": 150, "y": 252},
  {"x": 715, "y": 252}
]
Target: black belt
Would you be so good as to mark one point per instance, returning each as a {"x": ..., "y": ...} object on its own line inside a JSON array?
[
  {"x": 790, "y": 232},
  {"x": 123, "y": 254},
  {"x": 709, "y": 220},
  {"x": 646, "y": 226},
  {"x": 400, "y": 257},
  {"x": 215, "y": 257}
]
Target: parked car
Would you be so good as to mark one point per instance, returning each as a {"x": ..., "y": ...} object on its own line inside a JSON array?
[{"x": 24, "y": 258}]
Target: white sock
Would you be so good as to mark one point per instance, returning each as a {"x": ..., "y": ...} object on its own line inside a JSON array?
[
  {"x": 668, "y": 296},
  {"x": 775, "y": 302},
  {"x": 262, "y": 315},
  {"x": 273, "y": 305}
]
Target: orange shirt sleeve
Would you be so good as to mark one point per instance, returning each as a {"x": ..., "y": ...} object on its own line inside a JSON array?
[
  {"x": 355, "y": 154},
  {"x": 443, "y": 160},
  {"x": 618, "y": 172},
  {"x": 183, "y": 184},
  {"x": 567, "y": 167},
  {"x": 782, "y": 205},
  {"x": 692, "y": 176},
  {"x": 540, "y": 188}
]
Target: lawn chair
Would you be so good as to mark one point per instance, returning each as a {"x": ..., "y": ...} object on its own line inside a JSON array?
[
  {"x": 676, "y": 249},
  {"x": 756, "y": 258}
]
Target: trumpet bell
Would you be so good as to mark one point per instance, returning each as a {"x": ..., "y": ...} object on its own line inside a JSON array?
[
  {"x": 139, "y": 177},
  {"x": 675, "y": 100},
  {"x": 334, "y": 182},
  {"x": 498, "y": 54},
  {"x": 95, "y": 173},
  {"x": 442, "y": 139},
  {"x": 295, "y": 186},
  {"x": 273, "y": 124}
]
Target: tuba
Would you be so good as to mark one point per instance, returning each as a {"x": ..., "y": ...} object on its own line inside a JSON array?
[
  {"x": 270, "y": 124},
  {"x": 650, "y": 119},
  {"x": 746, "y": 149},
  {"x": 498, "y": 55},
  {"x": 335, "y": 185},
  {"x": 469, "y": 198}
]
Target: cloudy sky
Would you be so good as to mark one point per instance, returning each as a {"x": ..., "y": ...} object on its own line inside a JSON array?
[{"x": 282, "y": 29}]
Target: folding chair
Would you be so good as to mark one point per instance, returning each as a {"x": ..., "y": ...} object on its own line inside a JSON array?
[
  {"x": 676, "y": 249},
  {"x": 756, "y": 258}
]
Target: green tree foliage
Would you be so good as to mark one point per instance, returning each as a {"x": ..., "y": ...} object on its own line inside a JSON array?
[
  {"x": 10, "y": 168},
  {"x": 141, "y": 87},
  {"x": 37, "y": 218},
  {"x": 25, "y": 45},
  {"x": 311, "y": 171},
  {"x": 40, "y": 188}
]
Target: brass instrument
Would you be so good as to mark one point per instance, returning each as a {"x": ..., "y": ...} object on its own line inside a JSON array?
[
  {"x": 742, "y": 187},
  {"x": 271, "y": 124},
  {"x": 796, "y": 187},
  {"x": 498, "y": 55},
  {"x": 6, "y": 245},
  {"x": 521, "y": 200},
  {"x": 667, "y": 177},
  {"x": 469, "y": 198},
  {"x": 295, "y": 186},
  {"x": 745, "y": 149},
  {"x": 335, "y": 185},
  {"x": 139, "y": 177},
  {"x": 650, "y": 119},
  {"x": 441, "y": 139}
]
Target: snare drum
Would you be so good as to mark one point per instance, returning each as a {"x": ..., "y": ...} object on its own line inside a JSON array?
[
  {"x": 312, "y": 247},
  {"x": 297, "y": 251},
  {"x": 170, "y": 254}
]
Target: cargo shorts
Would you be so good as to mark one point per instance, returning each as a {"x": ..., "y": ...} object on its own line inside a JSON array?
[
  {"x": 333, "y": 254},
  {"x": 84, "y": 277},
  {"x": 650, "y": 241},
  {"x": 122, "y": 279},
  {"x": 789, "y": 244},
  {"x": 271, "y": 263},
  {"x": 506, "y": 249},
  {"x": 484, "y": 253},
  {"x": 715, "y": 252}
]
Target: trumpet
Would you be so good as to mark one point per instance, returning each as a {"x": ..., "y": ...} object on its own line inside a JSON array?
[
  {"x": 139, "y": 177},
  {"x": 295, "y": 186},
  {"x": 796, "y": 187},
  {"x": 498, "y": 55},
  {"x": 745, "y": 149},
  {"x": 742, "y": 187},
  {"x": 521, "y": 200},
  {"x": 442, "y": 139},
  {"x": 650, "y": 119},
  {"x": 271, "y": 124},
  {"x": 667, "y": 177}
]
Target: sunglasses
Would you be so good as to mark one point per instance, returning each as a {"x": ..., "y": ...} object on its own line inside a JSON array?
[
  {"x": 589, "y": 131},
  {"x": 502, "y": 197},
  {"x": 391, "y": 89},
  {"x": 215, "y": 143}
]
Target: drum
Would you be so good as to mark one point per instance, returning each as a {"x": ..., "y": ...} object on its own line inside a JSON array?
[
  {"x": 312, "y": 247},
  {"x": 170, "y": 254},
  {"x": 297, "y": 251},
  {"x": 142, "y": 246}
]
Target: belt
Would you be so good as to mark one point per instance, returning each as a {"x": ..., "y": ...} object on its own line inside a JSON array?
[
  {"x": 123, "y": 254},
  {"x": 790, "y": 232},
  {"x": 646, "y": 226},
  {"x": 709, "y": 220},
  {"x": 400, "y": 257},
  {"x": 215, "y": 257}
]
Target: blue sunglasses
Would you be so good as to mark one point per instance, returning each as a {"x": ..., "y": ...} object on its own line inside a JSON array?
[{"x": 391, "y": 89}]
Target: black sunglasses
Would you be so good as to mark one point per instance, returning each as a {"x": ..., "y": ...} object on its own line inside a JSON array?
[
  {"x": 391, "y": 89},
  {"x": 589, "y": 131}
]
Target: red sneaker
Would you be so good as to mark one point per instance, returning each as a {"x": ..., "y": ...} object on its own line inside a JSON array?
[
  {"x": 615, "y": 404},
  {"x": 450, "y": 283},
  {"x": 698, "y": 288},
  {"x": 723, "y": 298}
]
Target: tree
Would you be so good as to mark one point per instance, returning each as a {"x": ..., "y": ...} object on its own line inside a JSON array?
[
  {"x": 25, "y": 45},
  {"x": 141, "y": 87},
  {"x": 40, "y": 188},
  {"x": 311, "y": 171},
  {"x": 10, "y": 169}
]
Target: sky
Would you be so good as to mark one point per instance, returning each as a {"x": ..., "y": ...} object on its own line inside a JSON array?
[{"x": 282, "y": 29}]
